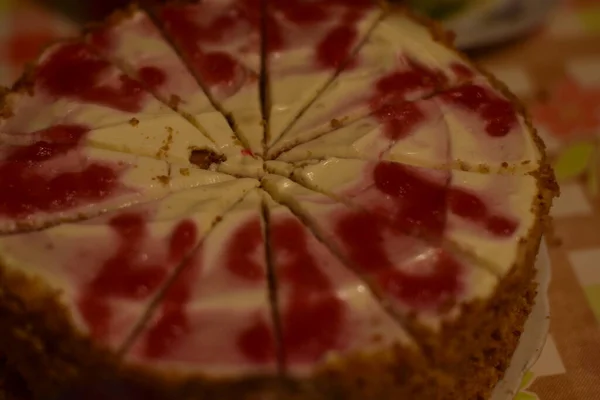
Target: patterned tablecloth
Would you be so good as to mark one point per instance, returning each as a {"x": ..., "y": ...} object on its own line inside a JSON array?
[{"x": 557, "y": 72}]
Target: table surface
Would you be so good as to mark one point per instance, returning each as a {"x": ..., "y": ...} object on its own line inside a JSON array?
[{"x": 556, "y": 71}]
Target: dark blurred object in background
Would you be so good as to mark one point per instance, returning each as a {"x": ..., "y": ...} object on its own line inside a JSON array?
[
  {"x": 83, "y": 11},
  {"x": 12, "y": 386},
  {"x": 440, "y": 9},
  {"x": 482, "y": 23}
]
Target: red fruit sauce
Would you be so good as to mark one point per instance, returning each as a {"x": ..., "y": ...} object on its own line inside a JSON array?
[
  {"x": 125, "y": 275},
  {"x": 28, "y": 188},
  {"x": 498, "y": 113},
  {"x": 73, "y": 70},
  {"x": 183, "y": 23},
  {"x": 312, "y": 317},
  {"x": 363, "y": 240},
  {"x": 257, "y": 342},
  {"x": 421, "y": 205}
]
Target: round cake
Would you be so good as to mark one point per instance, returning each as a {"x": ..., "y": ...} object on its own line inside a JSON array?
[{"x": 281, "y": 199}]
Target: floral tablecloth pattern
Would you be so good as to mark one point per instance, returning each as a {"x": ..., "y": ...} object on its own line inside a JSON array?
[{"x": 556, "y": 71}]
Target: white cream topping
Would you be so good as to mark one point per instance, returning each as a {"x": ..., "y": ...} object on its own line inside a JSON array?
[
  {"x": 140, "y": 179},
  {"x": 70, "y": 256},
  {"x": 227, "y": 300},
  {"x": 174, "y": 142},
  {"x": 409, "y": 256},
  {"x": 135, "y": 43},
  {"x": 296, "y": 78},
  {"x": 391, "y": 136},
  {"x": 314, "y": 115},
  {"x": 237, "y": 95},
  {"x": 360, "y": 139},
  {"x": 240, "y": 162},
  {"x": 245, "y": 110},
  {"x": 364, "y": 325},
  {"x": 241, "y": 40},
  {"x": 155, "y": 131},
  {"x": 348, "y": 97},
  {"x": 504, "y": 196},
  {"x": 472, "y": 146},
  {"x": 279, "y": 168}
]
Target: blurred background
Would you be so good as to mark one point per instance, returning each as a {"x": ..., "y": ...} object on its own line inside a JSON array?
[{"x": 548, "y": 53}]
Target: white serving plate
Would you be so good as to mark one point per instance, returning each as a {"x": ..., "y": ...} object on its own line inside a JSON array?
[
  {"x": 492, "y": 25},
  {"x": 534, "y": 335}
]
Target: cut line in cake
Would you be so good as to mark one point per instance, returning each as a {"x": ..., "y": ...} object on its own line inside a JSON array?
[
  {"x": 472, "y": 127},
  {"x": 220, "y": 42},
  {"x": 108, "y": 291},
  {"x": 424, "y": 286},
  {"x": 216, "y": 314},
  {"x": 483, "y": 214},
  {"x": 307, "y": 45},
  {"x": 47, "y": 183},
  {"x": 132, "y": 41},
  {"x": 375, "y": 77}
]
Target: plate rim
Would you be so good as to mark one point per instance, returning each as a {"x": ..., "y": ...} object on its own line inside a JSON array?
[
  {"x": 534, "y": 335},
  {"x": 490, "y": 31}
]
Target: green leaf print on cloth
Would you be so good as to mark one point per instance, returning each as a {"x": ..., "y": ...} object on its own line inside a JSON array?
[
  {"x": 525, "y": 382},
  {"x": 574, "y": 160}
]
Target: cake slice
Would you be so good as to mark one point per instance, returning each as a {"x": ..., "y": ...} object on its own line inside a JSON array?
[
  {"x": 220, "y": 41},
  {"x": 214, "y": 321},
  {"x": 473, "y": 127},
  {"x": 56, "y": 178},
  {"x": 413, "y": 275},
  {"x": 72, "y": 85},
  {"x": 415, "y": 133},
  {"x": 489, "y": 130},
  {"x": 98, "y": 277},
  {"x": 448, "y": 301},
  {"x": 132, "y": 41},
  {"x": 330, "y": 323},
  {"x": 485, "y": 215},
  {"x": 307, "y": 44},
  {"x": 398, "y": 62}
]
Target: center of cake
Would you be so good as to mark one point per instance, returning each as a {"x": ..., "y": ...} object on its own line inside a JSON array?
[{"x": 266, "y": 199}]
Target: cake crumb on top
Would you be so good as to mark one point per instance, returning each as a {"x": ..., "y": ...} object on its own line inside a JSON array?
[
  {"x": 163, "y": 179},
  {"x": 205, "y": 158}
]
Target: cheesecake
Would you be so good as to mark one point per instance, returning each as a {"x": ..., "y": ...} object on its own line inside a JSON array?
[{"x": 252, "y": 199}]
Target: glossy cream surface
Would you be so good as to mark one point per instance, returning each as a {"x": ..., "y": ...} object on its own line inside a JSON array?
[
  {"x": 110, "y": 267},
  {"x": 212, "y": 215}
]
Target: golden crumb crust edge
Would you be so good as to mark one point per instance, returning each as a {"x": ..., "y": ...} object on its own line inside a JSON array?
[{"x": 39, "y": 338}]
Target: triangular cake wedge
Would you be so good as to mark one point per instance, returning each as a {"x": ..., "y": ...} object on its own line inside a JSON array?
[
  {"x": 307, "y": 44},
  {"x": 473, "y": 127},
  {"x": 488, "y": 215},
  {"x": 72, "y": 85},
  {"x": 412, "y": 132},
  {"x": 214, "y": 321},
  {"x": 394, "y": 263},
  {"x": 223, "y": 53},
  {"x": 326, "y": 314},
  {"x": 132, "y": 41},
  {"x": 445, "y": 298},
  {"x": 57, "y": 179},
  {"x": 489, "y": 130},
  {"x": 399, "y": 61},
  {"x": 105, "y": 271}
]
